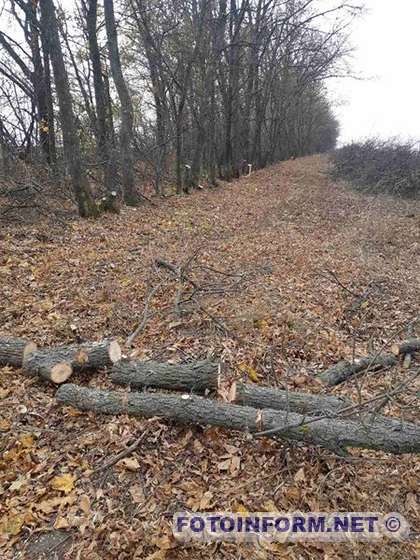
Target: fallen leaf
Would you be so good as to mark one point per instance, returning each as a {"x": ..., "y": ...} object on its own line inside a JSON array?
[
  {"x": 137, "y": 494},
  {"x": 64, "y": 483},
  {"x": 205, "y": 500},
  {"x": 27, "y": 441},
  {"x": 5, "y": 425},
  {"x": 48, "y": 506},
  {"x": 130, "y": 464},
  {"x": 84, "y": 504},
  {"x": 12, "y": 525},
  {"x": 300, "y": 475},
  {"x": 61, "y": 523}
]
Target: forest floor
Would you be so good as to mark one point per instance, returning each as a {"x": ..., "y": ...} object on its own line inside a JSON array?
[{"x": 272, "y": 249}]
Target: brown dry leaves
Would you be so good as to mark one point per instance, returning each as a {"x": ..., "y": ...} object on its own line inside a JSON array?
[{"x": 282, "y": 227}]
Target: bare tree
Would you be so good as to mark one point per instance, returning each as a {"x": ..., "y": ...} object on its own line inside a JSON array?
[
  {"x": 84, "y": 197},
  {"x": 103, "y": 124},
  {"x": 126, "y": 129}
]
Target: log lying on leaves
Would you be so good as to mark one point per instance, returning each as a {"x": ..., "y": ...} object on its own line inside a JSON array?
[
  {"x": 276, "y": 399},
  {"x": 306, "y": 404},
  {"x": 52, "y": 365},
  {"x": 344, "y": 370},
  {"x": 334, "y": 434},
  {"x": 409, "y": 347},
  {"x": 196, "y": 377},
  {"x": 94, "y": 355},
  {"x": 57, "y": 364},
  {"x": 14, "y": 350}
]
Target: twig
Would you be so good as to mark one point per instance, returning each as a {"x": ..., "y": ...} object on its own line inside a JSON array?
[
  {"x": 336, "y": 279},
  {"x": 145, "y": 318},
  {"x": 124, "y": 453}
]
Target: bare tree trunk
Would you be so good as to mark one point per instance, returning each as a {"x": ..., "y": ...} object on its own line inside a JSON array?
[
  {"x": 126, "y": 129},
  {"x": 50, "y": 103},
  {"x": 39, "y": 86},
  {"x": 81, "y": 188},
  {"x": 103, "y": 133}
]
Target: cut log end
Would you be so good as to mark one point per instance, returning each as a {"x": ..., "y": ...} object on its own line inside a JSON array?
[
  {"x": 60, "y": 373},
  {"x": 410, "y": 347},
  {"x": 232, "y": 392},
  {"x": 29, "y": 349},
  {"x": 115, "y": 353},
  {"x": 395, "y": 349}
]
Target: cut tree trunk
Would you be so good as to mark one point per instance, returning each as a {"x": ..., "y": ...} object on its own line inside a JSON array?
[
  {"x": 196, "y": 377},
  {"x": 345, "y": 370},
  {"x": 409, "y": 347},
  {"x": 97, "y": 354},
  {"x": 302, "y": 403},
  {"x": 57, "y": 364},
  {"x": 13, "y": 351},
  {"x": 336, "y": 435},
  {"x": 50, "y": 365}
]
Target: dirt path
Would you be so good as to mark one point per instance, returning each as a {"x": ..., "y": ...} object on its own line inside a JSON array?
[{"x": 281, "y": 232}]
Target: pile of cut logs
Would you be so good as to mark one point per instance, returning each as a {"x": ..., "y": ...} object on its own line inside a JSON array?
[{"x": 313, "y": 419}]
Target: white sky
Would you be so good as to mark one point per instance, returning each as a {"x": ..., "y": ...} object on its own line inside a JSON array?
[{"x": 387, "y": 41}]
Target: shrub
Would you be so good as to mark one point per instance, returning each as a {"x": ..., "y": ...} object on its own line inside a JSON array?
[{"x": 375, "y": 165}]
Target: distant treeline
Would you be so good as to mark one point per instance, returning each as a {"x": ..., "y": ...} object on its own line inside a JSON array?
[{"x": 182, "y": 93}]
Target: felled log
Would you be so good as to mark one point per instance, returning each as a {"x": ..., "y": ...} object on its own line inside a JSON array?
[
  {"x": 334, "y": 434},
  {"x": 345, "y": 369},
  {"x": 52, "y": 365},
  {"x": 58, "y": 363},
  {"x": 276, "y": 399},
  {"x": 94, "y": 355},
  {"x": 14, "y": 350},
  {"x": 409, "y": 347},
  {"x": 196, "y": 377}
]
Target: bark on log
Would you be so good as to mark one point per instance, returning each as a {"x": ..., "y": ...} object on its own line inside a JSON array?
[
  {"x": 408, "y": 347},
  {"x": 189, "y": 409},
  {"x": 94, "y": 355},
  {"x": 13, "y": 351},
  {"x": 50, "y": 364},
  {"x": 196, "y": 377},
  {"x": 344, "y": 370},
  {"x": 276, "y": 399},
  {"x": 57, "y": 364}
]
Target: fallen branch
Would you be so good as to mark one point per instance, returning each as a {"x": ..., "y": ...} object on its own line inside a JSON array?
[
  {"x": 336, "y": 435},
  {"x": 57, "y": 364},
  {"x": 13, "y": 351},
  {"x": 145, "y": 318},
  {"x": 196, "y": 377},
  {"x": 276, "y": 399},
  {"x": 345, "y": 369}
]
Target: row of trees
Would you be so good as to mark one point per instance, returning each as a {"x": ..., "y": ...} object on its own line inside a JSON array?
[{"x": 187, "y": 91}]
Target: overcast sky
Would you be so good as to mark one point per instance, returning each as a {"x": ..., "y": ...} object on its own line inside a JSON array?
[{"x": 387, "y": 41}]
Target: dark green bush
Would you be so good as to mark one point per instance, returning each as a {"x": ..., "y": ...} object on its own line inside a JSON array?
[{"x": 380, "y": 166}]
